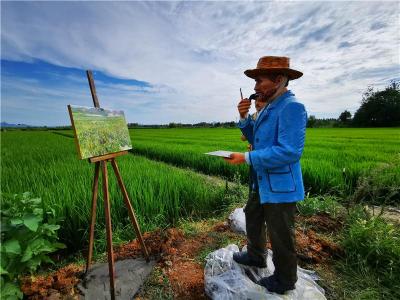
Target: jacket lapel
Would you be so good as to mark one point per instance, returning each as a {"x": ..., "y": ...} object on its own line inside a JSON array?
[
  {"x": 273, "y": 105},
  {"x": 261, "y": 117}
]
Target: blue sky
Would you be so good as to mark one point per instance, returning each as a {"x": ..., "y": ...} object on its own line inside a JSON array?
[{"x": 164, "y": 62}]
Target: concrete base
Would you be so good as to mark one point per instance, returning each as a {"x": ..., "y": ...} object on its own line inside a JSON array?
[{"x": 129, "y": 277}]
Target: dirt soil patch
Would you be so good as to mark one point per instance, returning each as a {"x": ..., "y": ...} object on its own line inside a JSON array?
[
  {"x": 314, "y": 249},
  {"x": 178, "y": 258},
  {"x": 321, "y": 222},
  {"x": 58, "y": 285},
  {"x": 62, "y": 283}
]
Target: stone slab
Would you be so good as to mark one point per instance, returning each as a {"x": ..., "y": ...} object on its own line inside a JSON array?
[{"x": 130, "y": 275}]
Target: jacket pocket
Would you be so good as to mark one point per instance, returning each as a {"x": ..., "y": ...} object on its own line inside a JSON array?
[{"x": 281, "y": 180}]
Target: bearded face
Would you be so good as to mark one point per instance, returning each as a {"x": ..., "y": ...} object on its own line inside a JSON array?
[{"x": 268, "y": 85}]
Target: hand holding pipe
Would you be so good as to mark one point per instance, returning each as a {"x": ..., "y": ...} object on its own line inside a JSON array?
[{"x": 244, "y": 104}]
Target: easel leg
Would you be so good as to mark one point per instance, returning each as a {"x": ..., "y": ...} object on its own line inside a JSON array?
[
  {"x": 108, "y": 229},
  {"x": 130, "y": 209},
  {"x": 93, "y": 214}
]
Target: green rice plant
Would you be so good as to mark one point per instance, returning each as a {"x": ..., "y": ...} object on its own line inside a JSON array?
[{"x": 47, "y": 165}]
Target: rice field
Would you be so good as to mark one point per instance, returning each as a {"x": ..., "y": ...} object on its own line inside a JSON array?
[
  {"x": 333, "y": 159},
  {"x": 46, "y": 164}
]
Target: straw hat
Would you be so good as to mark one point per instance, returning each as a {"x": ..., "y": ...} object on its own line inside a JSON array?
[{"x": 273, "y": 65}]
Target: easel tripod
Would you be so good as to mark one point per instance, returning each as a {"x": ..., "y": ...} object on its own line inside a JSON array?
[{"x": 101, "y": 162}]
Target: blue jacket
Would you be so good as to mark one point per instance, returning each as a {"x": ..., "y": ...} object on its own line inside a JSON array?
[{"x": 278, "y": 137}]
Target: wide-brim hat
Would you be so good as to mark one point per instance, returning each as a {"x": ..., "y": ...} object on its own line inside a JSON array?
[{"x": 273, "y": 65}]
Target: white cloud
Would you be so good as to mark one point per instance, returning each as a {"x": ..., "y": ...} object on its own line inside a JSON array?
[{"x": 195, "y": 53}]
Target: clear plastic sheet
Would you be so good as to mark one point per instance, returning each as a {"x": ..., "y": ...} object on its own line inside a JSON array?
[
  {"x": 226, "y": 279},
  {"x": 237, "y": 221}
]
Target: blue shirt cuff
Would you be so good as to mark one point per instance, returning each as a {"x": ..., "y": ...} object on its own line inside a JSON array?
[{"x": 247, "y": 158}]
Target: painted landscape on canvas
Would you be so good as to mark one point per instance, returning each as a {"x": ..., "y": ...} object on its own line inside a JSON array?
[{"x": 99, "y": 131}]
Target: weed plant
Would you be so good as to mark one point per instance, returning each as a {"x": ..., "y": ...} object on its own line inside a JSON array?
[
  {"x": 380, "y": 186},
  {"x": 319, "y": 204},
  {"x": 372, "y": 247}
]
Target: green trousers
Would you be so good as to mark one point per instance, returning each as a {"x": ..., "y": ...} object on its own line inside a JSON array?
[{"x": 278, "y": 220}]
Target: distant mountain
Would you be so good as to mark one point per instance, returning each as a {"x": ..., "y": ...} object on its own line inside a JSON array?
[{"x": 10, "y": 125}]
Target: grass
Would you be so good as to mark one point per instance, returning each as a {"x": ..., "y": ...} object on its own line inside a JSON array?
[
  {"x": 381, "y": 185},
  {"x": 157, "y": 286},
  {"x": 373, "y": 245},
  {"x": 370, "y": 266}
]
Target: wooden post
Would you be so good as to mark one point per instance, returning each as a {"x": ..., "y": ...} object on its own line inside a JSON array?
[
  {"x": 130, "y": 209},
  {"x": 92, "y": 88},
  {"x": 93, "y": 214},
  {"x": 108, "y": 229}
]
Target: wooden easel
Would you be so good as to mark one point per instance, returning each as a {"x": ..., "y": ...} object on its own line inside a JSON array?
[{"x": 102, "y": 161}]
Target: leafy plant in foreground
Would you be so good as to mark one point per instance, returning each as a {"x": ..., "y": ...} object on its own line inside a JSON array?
[{"x": 26, "y": 240}]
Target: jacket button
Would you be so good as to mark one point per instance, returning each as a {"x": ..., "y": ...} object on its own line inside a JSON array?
[
  {"x": 256, "y": 140},
  {"x": 259, "y": 177}
]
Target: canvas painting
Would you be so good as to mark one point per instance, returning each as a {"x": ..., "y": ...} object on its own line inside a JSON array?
[{"x": 99, "y": 131}]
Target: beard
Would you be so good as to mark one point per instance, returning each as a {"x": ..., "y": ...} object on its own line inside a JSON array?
[{"x": 267, "y": 96}]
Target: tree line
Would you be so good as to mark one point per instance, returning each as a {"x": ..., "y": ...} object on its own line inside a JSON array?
[{"x": 378, "y": 109}]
